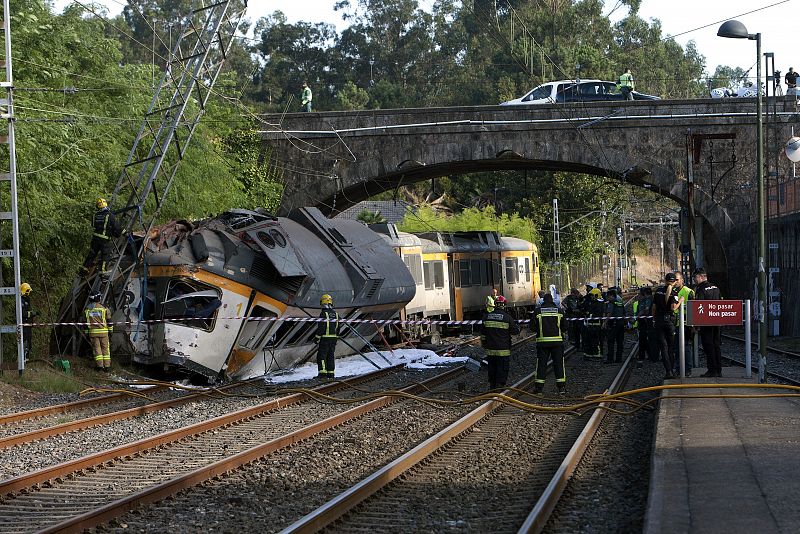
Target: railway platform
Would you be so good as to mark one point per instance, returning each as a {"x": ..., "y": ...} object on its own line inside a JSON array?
[{"x": 725, "y": 464}]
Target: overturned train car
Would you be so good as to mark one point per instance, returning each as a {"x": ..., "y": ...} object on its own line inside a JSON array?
[{"x": 223, "y": 286}]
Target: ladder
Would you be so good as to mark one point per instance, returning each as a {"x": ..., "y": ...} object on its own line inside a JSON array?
[
  {"x": 8, "y": 211},
  {"x": 177, "y": 106}
]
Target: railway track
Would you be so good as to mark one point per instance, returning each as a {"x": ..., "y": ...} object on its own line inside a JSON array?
[
  {"x": 42, "y": 423},
  {"x": 782, "y": 365},
  {"x": 94, "y": 489},
  {"x": 401, "y": 493}
]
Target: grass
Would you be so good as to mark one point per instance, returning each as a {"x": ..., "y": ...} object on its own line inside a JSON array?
[{"x": 42, "y": 381}]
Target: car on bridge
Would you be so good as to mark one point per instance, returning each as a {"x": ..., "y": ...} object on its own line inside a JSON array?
[{"x": 572, "y": 91}]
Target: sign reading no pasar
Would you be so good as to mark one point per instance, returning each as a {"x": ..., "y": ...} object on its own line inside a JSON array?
[{"x": 715, "y": 312}]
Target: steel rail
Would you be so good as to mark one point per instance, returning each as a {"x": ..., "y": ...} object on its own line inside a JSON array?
[
  {"x": 349, "y": 499},
  {"x": 28, "y": 480},
  {"x": 786, "y": 353},
  {"x": 98, "y": 420},
  {"x": 754, "y": 367},
  {"x": 537, "y": 519},
  {"x": 196, "y": 476},
  {"x": 69, "y": 406}
]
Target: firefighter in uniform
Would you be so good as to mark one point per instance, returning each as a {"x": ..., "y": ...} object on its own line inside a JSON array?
[
  {"x": 326, "y": 336},
  {"x": 614, "y": 323},
  {"x": 27, "y": 316},
  {"x": 594, "y": 312},
  {"x": 98, "y": 329},
  {"x": 710, "y": 336},
  {"x": 496, "y": 331},
  {"x": 547, "y": 323},
  {"x": 106, "y": 227}
]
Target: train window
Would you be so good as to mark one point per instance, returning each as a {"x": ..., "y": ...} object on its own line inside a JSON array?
[
  {"x": 485, "y": 272},
  {"x": 427, "y": 271},
  {"x": 466, "y": 280},
  {"x": 254, "y": 331},
  {"x": 535, "y": 261},
  {"x": 511, "y": 270},
  {"x": 414, "y": 264},
  {"x": 527, "y": 269},
  {"x": 475, "y": 269},
  {"x": 299, "y": 336},
  {"x": 283, "y": 331},
  {"x": 438, "y": 274},
  {"x": 194, "y": 302}
]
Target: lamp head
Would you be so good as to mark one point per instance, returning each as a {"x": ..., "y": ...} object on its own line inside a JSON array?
[
  {"x": 733, "y": 29},
  {"x": 792, "y": 149}
]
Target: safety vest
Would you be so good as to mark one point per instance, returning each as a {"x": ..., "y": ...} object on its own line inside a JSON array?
[
  {"x": 490, "y": 304},
  {"x": 635, "y": 309},
  {"x": 97, "y": 317},
  {"x": 687, "y": 294},
  {"x": 549, "y": 322},
  {"x": 307, "y": 95},
  {"x": 626, "y": 80},
  {"x": 328, "y": 327}
]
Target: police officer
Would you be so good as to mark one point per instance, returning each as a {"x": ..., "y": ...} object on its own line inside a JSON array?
[
  {"x": 98, "y": 328},
  {"x": 664, "y": 303},
  {"x": 572, "y": 311},
  {"x": 326, "y": 336},
  {"x": 496, "y": 330},
  {"x": 106, "y": 227},
  {"x": 614, "y": 325},
  {"x": 593, "y": 311},
  {"x": 710, "y": 336},
  {"x": 547, "y": 323},
  {"x": 27, "y": 316}
]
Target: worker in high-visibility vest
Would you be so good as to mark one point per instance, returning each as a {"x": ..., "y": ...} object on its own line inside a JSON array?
[
  {"x": 106, "y": 227},
  {"x": 98, "y": 328},
  {"x": 548, "y": 324},
  {"x": 327, "y": 335},
  {"x": 625, "y": 84},
  {"x": 306, "y": 97}
]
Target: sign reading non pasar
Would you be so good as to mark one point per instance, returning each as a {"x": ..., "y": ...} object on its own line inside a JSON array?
[{"x": 715, "y": 312}]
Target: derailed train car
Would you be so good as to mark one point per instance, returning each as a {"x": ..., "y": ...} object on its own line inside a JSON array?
[{"x": 211, "y": 297}]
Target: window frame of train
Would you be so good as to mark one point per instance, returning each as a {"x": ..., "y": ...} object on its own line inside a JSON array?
[
  {"x": 414, "y": 265},
  {"x": 431, "y": 271},
  {"x": 208, "y": 324},
  {"x": 527, "y": 269},
  {"x": 512, "y": 268},
  {"x": 262, "y": 328}
]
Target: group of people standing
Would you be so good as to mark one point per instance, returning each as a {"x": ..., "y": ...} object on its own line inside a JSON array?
[{"x": 599, "y": 318}]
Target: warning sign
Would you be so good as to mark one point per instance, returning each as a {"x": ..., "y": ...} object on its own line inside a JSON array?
[{"x": 715, "y": 312}]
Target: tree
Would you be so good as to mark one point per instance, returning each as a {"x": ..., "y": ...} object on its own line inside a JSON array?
[
  {"x": 369, "y": 217},
  {"x": 351, "y": 97}
]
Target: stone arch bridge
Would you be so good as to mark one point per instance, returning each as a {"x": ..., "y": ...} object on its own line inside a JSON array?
[{"x": 333, "y": 160}]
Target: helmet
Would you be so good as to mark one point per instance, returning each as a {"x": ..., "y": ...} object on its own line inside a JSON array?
[
  {"x": 25, "y": 289},
  {"x": 95, "y": 297},
  {"x": 596, "y": 292},
  {"x": 101, "y": 203},
  {"x": 326, "y": 300},
  {"x": 500, "y": 301}
]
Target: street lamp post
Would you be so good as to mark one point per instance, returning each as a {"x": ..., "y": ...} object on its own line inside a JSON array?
[{"x": 733, "y": 29}]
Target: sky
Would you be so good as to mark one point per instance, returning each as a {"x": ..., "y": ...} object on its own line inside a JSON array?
[{"x": 777, "y": 20}]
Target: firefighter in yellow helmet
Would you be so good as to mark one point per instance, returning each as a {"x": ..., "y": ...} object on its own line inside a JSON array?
[
  {"x": 326, "y": 337},
  {"x": 27, "y": 316},
  {"x": 98, "y": 328},
  {"x": 106, "y": 228}
]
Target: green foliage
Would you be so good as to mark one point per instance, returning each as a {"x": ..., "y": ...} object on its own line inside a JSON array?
[
  {"x": 369, "y": 217},
  {"x": 71, "y": 146},
  {"x": 471, "y": 219},
  {"x": 351, "y": 97}
]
